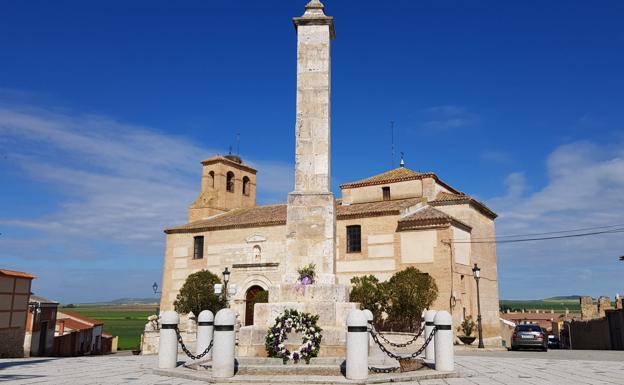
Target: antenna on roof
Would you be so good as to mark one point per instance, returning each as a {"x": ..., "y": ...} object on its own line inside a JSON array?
[
  {"x": 402, "y": 161},
  {"x": 238, "y": 143},
  {"x": 392, "y": 134},
  {"x": 230, "y": 150}
]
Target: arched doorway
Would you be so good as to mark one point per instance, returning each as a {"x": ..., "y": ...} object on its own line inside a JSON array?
[{"x": 255, "y": 294}]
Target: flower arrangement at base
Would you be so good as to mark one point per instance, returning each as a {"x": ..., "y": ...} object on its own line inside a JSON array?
[
  {"x": 307, "y": 274},
  {"x": 299, "y": 322}
]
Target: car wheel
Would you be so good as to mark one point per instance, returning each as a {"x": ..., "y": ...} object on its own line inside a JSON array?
[
  {"x": 544, "y": 349},
  {"x": 514, "y": 348}
]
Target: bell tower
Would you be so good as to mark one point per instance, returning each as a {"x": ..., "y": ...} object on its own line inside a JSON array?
[{"x": 226, "y": 184}]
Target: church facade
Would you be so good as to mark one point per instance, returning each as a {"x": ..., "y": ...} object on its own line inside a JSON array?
[
  {"x": 384, "y": 223},
  {"x": 380, "y": 225}
]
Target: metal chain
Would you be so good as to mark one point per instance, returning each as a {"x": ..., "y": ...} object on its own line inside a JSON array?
[
  {"x": 403, "y": 345},
  {"x": 396, "y": 356},
  {"x": 383, "y": 370},
  {"x": 188, "y": 353}
]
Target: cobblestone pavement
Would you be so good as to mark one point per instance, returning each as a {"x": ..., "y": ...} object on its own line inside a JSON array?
[{"x": 475, "y": 368}]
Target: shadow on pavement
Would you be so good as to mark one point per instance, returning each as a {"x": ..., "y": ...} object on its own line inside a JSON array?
[{"x": 18, "y": 362}]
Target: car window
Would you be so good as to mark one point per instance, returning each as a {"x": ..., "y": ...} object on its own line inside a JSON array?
[{"x": 528, "y": 328}]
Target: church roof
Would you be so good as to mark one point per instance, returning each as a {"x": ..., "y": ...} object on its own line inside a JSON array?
[
  {"x": 275, "y": 215},
  {"x": 445, "y": 198},
  {"x": 400, "y": 174},
  {"x": 396, "y": 175},
  {"x": 428, "y": 217},
  {"x": 232, "y": 160}
]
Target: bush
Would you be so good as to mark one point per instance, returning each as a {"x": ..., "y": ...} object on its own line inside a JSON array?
[
  {"x": 468, "y": 326},
  {"x": 197, "y": 294},
  {"x": 402, "y": 298},
  {"x": 410, "y": 291},
  {"x": 370, "y": 293}
]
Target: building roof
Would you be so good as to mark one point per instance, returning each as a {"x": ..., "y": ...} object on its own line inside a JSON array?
[
  {"x": 446, "y": 198},
  {"x": 70, "y": 323},
  {"x": 232, "y": 160},
  {"x": 275, "y": 215},
  {"x": 18, "y": 274},
  {"x": 400, "y": 174},
  {"x": 79, "y": 317},
  {"x": 428, "y": 217},
  {"x": 36, "y": 298}
]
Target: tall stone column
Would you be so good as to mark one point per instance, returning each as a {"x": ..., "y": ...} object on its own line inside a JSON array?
[{"x": 311, "y": 215}]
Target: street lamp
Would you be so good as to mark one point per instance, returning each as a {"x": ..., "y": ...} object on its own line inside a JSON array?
[
  {"x": 476, "y": 272},
  {"x": 226, "y": 279},
  {"x": 155, "y": 288}
]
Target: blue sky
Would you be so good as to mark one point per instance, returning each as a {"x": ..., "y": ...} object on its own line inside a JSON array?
[{"x": 107, "y": 107}]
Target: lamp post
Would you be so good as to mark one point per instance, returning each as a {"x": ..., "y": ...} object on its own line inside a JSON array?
[
  {"x": 476, "y": 272},
  {"x": 155, "y": 288},
  {"x": 226, "y": 279}
]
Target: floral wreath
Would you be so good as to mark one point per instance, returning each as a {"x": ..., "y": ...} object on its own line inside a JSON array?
[{"x": 292, "y": 320}]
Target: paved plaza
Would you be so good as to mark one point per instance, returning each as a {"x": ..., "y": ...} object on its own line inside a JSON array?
[{"x": 498, "y": 367}]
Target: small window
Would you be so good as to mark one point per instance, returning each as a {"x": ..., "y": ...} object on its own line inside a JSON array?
[
  {"x": 246, "y": 183},
  {"x": 230, "y": 182},
  {"x": 211, "y": 179},
  {"x": 198, "y": 248},
  {"x": 354, "y": 239},
  {"x": 257, "y": 251},
  {"x": 386, "y": 193}
]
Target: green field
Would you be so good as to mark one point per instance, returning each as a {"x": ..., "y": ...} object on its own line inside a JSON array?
[
  {"x": 127, "y": 322},
  {"x": 558, "y": 305}
]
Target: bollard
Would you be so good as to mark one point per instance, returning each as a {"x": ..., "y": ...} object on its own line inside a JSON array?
[
  {"x": 205, "y": 328},
  {"x": 168, "y": 344},
  {"x": 224, "y": 341},
  {"x": 444, "y": 356},
  {"x": 357, "y": 346},
  {"x": 429, "y": 350}
]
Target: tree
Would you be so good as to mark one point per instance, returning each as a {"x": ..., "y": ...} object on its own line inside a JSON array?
[
  {"x": 197, "y": 294},
  {"x": 369, "y": 292},
  {"x": 410, "y": 291}
]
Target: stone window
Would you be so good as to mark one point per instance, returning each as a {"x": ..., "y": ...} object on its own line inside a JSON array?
[
  {"x": 386, "y": 193},
  {"x": 246, "y": 184},
  {"x": 354, "y": 239},
  {"x": 198, "y": 247},
  {"x": 211, "y": 179},
  {"x": 257, "y": 253},
  {"x": 229, "y": 184}
]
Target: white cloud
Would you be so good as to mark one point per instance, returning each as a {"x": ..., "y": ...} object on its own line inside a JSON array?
[
  {"x": 120, "y": 184},
  {"x": 585, "y": 189},
  {"x": 448, "y": 117}
]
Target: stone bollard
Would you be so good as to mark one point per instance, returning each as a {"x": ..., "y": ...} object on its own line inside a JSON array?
[
  {"x": 224, "y": 341},
  {"x": 430, "y": 349},
  {"x": 168, "y": 344},
  {"x": 205, "y": 328},
  {"x": 357, "y": 346},
  {"x": 444, "y": 355}
]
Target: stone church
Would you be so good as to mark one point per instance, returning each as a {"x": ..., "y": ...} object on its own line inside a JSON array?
[{"x": 379, "y": 225}]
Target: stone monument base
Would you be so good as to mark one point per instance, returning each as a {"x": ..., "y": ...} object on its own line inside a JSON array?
[{"x": 325, "y": 300}]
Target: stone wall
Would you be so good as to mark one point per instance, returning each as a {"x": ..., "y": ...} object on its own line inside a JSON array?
[{"x": 12, "y": 343}]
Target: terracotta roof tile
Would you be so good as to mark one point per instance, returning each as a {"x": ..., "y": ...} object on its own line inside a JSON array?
[
  {"x": 445, "y": 198},
  {"x": 396, "y": 175},
  {"x": 428, "y": 217},
  {"x": 78, "y": 317},
  {"x": 275, "y": 215},
  {"x": 19, "y": 274}
]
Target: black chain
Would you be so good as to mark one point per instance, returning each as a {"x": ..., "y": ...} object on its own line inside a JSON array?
[
  {"x": 188, "y": 353},
  {"x": 403, "y": 345},
  {"x": 396, "y": 356},
  {"x": 383, "y": 370}
]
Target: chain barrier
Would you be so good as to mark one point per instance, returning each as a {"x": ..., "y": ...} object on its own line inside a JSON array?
[
  {"x": 396, "y": 356},
  {"x": 383, "y": 370},
  {"x": 403, "y": 345},
  {"x": 188, "y": 353}
]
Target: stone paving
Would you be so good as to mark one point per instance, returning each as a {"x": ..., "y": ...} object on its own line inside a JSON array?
[{"x": 566, "y": 367}]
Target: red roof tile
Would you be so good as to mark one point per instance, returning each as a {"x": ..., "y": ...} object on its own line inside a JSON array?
[{"x": 19, "y": 274}]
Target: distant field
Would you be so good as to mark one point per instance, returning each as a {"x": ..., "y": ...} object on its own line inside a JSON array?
[
  {"x": 557, "y": 305},
  {"x": 127, "y": 322}
]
